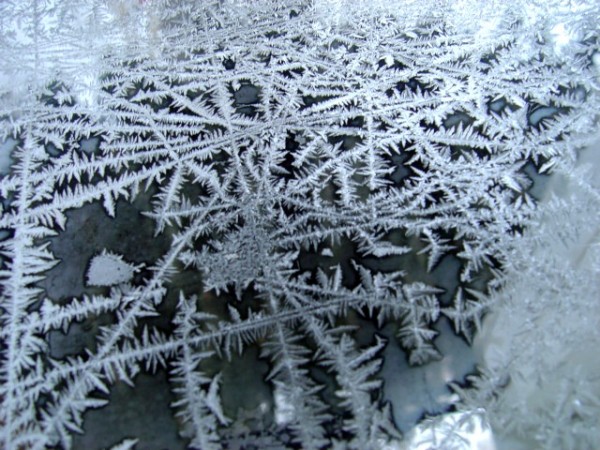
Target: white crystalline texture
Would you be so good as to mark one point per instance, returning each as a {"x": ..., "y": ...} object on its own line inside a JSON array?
[
  {"x": 311, "y": 166},
  {"x": 109, "y": 269}
]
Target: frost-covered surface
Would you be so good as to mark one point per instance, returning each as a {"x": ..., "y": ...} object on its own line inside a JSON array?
[
  {"x": 272, "y": 137},
  {"x": 550, "y": 298},
  {"x": 109, "y": 269}
]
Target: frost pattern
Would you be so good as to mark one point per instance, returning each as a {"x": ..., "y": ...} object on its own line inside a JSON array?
[
  {"x": 109, "y": 269},
  {"x": 271, "y": 136}
]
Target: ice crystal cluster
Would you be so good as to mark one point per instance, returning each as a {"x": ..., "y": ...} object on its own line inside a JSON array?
[{"x": 300, "y": 158}]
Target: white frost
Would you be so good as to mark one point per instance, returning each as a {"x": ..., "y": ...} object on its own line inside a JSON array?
[{"x": 109, "y": 269}]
